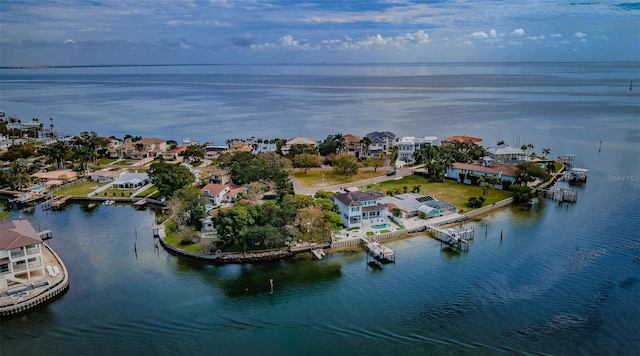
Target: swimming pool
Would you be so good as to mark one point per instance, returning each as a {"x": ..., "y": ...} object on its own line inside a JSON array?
[
  {"x": 38, "y": 188},
  {"x": 381, "y": 226}
]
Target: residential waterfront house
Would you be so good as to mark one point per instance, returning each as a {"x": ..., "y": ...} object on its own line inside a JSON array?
[
  {"x": 173, "y": 154},
  {"x": 506, "y": 153},
  {"x": 501, "y": 171},
  {"x": 106, "y": 175},
  {"x": 410, "y": 204},
  {"x": 306, "y": 141},
  {"x": 221, "y": 176},
  {"x": 213, "y": 151},
  {"x": 353, "y": 146},
  {"x": 218, "y": 194},
  {"x": 408, "y": 145},
  {"x": 450, "y": 141},
  {"x": 131, "y": 181},
  {"x": 264, "y": 146},
  {"x": 54, "y": 178},
  {"x": 214, "y": 193},
  {"x": 151, "y": 147},
  {"x": 239, "y": 147},
  {"x": 359, "y": 209},
  {"x": 20, "y": 253},
  {"x": 381, "y": 143}
]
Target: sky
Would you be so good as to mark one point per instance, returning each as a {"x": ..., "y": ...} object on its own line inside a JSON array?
[{"x": 112, "y": 32}]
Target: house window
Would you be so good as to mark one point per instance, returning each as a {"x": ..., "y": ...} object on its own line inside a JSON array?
[
  {"x": 355, "y": 209},
  {"x": 4, "y": 268}
]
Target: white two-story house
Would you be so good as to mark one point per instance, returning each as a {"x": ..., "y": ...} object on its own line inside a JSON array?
[
  {"x": 20, "y": 252},
  {"x": 359, "y": 209},
  {"x": 409, "y": 145}
]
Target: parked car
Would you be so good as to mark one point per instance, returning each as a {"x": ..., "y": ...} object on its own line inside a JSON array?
[{"x": 391, "y": 173}]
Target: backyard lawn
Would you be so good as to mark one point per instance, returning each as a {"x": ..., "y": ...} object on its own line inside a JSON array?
[
  {"x": 314, "y": 178},
  {"x": 80, "y": 189},
  {"x": 455, "y": 193}
]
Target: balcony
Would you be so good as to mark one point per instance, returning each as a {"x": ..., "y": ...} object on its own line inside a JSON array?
[
  {"x": 35, "y": 264},
  {"x": 17, "y": 254},
  {"x": 19, "y": 268}
]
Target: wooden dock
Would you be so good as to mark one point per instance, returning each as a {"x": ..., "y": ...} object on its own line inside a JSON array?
[
  {"x": 60, "y": 203},
  {"x": 456, "y": 239},
  {"x": 379, "y": 251},
  {"x": 140, "y": 204}
]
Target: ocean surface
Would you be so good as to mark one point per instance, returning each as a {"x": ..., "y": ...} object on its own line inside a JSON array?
[{"x": 564, "y": 279}]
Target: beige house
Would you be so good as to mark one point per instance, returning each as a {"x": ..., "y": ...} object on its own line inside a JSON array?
[
  {"x": 144, "y": 148},
  {"x": 353, "y": 146},
  {"x": 54, "y": 178},
  {"x": 306, "y": 141}
]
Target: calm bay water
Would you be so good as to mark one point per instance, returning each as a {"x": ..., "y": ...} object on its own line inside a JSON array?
[{"x": 565, "y": 279}]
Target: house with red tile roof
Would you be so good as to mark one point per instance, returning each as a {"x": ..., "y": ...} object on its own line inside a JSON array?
[
  {"x": 501, "y": 171},
  {"x": 219, "y": 194},
  {"x": 460, "y": 139}
]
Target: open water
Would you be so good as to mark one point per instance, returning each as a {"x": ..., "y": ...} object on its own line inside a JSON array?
[{"x": 564, "y": 279}]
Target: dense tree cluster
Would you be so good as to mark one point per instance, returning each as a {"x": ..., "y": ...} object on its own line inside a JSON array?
[
  {"x": 528, "y": 172},
  {"x": 332, "y": 144},
  {"x": 436, "y": 159},
  {"x": 248, "y": 226},
  {"x": 345, "y": 165},
  {"x": 169, "y": 178},
  {"x": 14, "y": 152}
]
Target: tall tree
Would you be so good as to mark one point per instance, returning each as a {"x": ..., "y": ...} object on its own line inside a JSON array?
[
  {"x": 194, "y": 153},
  {"x": 305, "y": 161},
  {"x": 346, "y": 165},
  {"x": 58, "y": 153},
  {"x": 91, "y": 141},
  {"x": 366, "y": 141}
]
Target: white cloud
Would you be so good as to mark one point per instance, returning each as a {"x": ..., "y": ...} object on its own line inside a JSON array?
[
  {"x": 555, "y": 35},
  {"x": 69, "y": 41},
  {"x": 400, "y": 42},
  {"x": 518, "y": 32},
  {"x": 479, "y": 34},
  {"x": 580, "y": 35},
  {"x": 492, "y": 33},
  {"x": 418, "y": 37}
]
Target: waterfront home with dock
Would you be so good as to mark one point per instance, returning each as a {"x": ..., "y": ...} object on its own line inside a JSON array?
[
  {"x": 359, "y": 208},
  {"x": 30, "y": 272}
]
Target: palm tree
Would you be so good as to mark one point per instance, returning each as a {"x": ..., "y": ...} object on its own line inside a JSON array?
[
  {"x": 339, "y": 142},
  {"x": 58, "y": 153},
  {"x": 139, "y": 147},
  {"x": 546, "y": 152},
  {"x": 529, "y": 147},
  {"x": 367, "y": 142}
]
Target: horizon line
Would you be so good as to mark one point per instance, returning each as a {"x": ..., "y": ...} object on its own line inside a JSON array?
[{"x": 124, "y": 65}]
